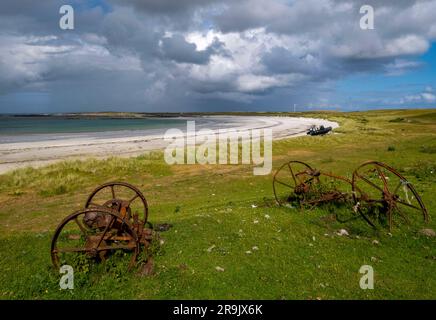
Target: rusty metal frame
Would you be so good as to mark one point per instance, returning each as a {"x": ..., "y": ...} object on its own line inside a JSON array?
[
  {"x": 106, "y": 227},
  {"x": 388, "y": 199}
]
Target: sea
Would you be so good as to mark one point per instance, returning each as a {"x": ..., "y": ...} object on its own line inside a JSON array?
[
  {"x": 34, "y": 128},
  {"x": 41, "y": 128},
  {"x": 16, "y": 125}
]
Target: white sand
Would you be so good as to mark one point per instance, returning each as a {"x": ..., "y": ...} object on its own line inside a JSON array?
[{"x": 42, "y": 149}]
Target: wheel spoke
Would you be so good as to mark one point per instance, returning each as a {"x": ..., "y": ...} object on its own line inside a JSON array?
[
  {"x": 390, "y": 218},
  {"x": 401, "y": 213},
  {"x": 408, "y": 205},
  {"x": 105, "y": 231},
  {"x": 367, "y": 219},
  {"x": 398, "y": 186},
  {"x": 131, "y": 200},
  {"x": 370, "y": 182},
  {"x": 292, "y": 173},
  {"x": 80, "y": 226},
  {"x": 285, "y": 184},
  {"x": 383, "y": 178},
  {"x": 113, "y": 191}
]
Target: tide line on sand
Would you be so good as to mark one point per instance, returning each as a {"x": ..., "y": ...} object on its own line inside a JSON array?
[{"x": 49, "y": 148}]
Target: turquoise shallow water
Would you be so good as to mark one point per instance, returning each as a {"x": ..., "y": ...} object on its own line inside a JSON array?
[{"x": 11, "y": 126}]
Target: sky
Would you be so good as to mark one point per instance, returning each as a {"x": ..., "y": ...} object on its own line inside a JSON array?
[{"x": 216, "y": 55}]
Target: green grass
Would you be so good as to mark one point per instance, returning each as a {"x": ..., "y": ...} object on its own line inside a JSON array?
[{"x": 299, "y": 255}]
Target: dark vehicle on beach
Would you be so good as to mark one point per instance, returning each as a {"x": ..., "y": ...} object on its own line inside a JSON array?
[{"x": 314, "y": 131}]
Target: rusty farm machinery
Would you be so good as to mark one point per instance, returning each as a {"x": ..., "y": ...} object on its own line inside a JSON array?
[
  {"x": 377, "y": 192},
  {"x": 115, "y": 215},
  {"x": 115, "y": 218}
]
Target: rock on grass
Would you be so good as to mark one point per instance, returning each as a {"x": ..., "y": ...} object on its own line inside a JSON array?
[
  {"x": 427, "y": 232},
  {"x": 342, "y": 232}
]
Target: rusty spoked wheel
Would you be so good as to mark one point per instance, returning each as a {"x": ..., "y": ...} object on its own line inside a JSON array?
[
  {"x": 118, "y": 195},
  {"x": 92, "y": 235},
  {"x": 384, "y": 197},
  {"x": 294, "y": 181}
]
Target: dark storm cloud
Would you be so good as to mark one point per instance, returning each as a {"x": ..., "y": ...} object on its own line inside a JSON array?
[
  {"x": 176, "y": 48},
  {"x": 165, "y": 6},
  {"x": 174, "y": 14},
  {"x": 124, "y": 30},
  {"x": 281, "y": 60}
]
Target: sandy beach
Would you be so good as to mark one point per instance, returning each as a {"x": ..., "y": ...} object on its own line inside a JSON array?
[{"x": 37, "y": 150}]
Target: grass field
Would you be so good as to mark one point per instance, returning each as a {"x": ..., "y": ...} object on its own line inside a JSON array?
[{"x": 299, "y": 254}]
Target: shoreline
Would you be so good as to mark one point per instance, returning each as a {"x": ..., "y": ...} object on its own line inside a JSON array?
[{"x": 44, "y": 149}]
